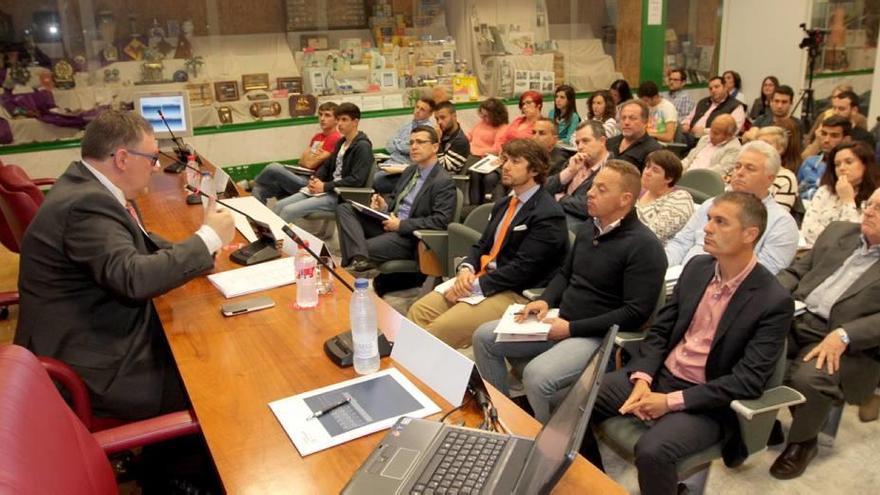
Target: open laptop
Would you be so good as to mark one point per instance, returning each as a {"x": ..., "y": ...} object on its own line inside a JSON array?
[{"x": 420, "y": 456}]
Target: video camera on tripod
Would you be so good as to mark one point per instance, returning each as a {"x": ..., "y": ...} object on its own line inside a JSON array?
[{"x": 813, "y": 38}]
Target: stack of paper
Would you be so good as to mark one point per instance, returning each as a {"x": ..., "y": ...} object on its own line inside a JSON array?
[
  {"x": 486, "y": 164},
  {"x": 255, "y": 278},
  {"x": 671, "y": 278},
  {"x": 530, "y": 330},
  {"x": 472, "y": 300}
]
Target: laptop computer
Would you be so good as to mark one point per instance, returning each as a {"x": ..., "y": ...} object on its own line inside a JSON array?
[{"x": 421, "y": 456}]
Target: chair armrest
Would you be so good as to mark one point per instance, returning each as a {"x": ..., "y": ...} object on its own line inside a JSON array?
[
  {"x": 771, "y": 400},
  {"x": 8, "y": 298},
  {"x": 73, "y": 384},
  {"x": 148, "y": 431},
  {"x": 461, "y": 178},
  {"x": 461, "y": 238},
  {"x": 44, "y": 181},
  {"x": 532, "y": 294},
  {"x": 361, "y": 195}
]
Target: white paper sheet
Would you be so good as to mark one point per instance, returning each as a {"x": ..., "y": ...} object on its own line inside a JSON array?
[
  {"x": 255, "y": 278},
  {"x": 472, "y": 300},
  {"x": 310, "y": 435},
  {"x": 253, "y": 207},
  {"x": 508, "y": 330}
]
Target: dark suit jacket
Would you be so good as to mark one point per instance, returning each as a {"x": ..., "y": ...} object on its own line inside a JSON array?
[
  {"x": 857, "y": 310},
  {"x": 433, "y": 206},
  {"x": 88, "y": 273},
  {"x": 533, "y": 249},
  {"x": 572, "y": 204},
  {"x": 747, "y": 346}
]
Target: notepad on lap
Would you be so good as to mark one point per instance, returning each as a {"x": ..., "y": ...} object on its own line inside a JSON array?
[
  {"x": 486, "y": 164},
  {"x": 530, "y": 330},
  {"x": 472, "y": 300}
]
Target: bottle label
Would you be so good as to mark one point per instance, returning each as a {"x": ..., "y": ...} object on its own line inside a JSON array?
[{"x": 306, "y": 272}]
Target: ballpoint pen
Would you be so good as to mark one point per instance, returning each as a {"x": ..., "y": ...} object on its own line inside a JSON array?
[{"x": 324, "y": 411}]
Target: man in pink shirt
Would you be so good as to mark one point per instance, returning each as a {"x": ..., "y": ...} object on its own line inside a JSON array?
[{"x": 718, "y": 339}]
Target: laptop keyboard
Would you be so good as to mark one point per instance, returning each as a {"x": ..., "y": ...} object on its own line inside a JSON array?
[{"x": 461, "y": 465}]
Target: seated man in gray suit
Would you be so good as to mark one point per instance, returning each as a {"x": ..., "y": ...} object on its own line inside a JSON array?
[
  {"x": 424, "y": 198},
  {"x": 89, "y": 271},
  {"x": 569, "y": 187},
  {"x": 835, "y": 344}
]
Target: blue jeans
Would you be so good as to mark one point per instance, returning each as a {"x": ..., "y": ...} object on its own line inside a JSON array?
[
  {"x": 300, "y": 205},
  {"x": 275, "y": 181},
  {"x": 554, "y": 366}
]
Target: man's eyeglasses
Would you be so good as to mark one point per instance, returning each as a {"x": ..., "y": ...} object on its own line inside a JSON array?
[
  {"x": 419, "y": 141},
  {"x": 154, "y": 158}
]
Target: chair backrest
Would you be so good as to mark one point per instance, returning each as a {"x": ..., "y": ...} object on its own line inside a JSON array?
[
  {"x": 17, "y": 209},
  {"x": 703, "y": 180},
  {"x": 375, "y": 168},
  {"x": 478, "y": 218},
  {"x": 14, "y": 178},
  {"x": 459, "y": 204},
  {"x": 43, "y": 446}
]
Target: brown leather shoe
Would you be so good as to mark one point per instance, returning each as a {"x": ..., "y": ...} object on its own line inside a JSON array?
[
  {"x": 793, "y": 461},
  {"x": 870, "y": 409}
]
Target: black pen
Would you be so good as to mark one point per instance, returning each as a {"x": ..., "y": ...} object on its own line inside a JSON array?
[{"x": 324, "y": 411}]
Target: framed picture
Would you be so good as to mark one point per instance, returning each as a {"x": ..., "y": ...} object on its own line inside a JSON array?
[
  {"x": 199, "y": 94},
  {"x": 302, "y": 105},
  {"x": 314, "y": 41},
  {"x": 226, "y": 90},
  {"x": 291, "y": 84},
  {"x": 250, "y": 82}
]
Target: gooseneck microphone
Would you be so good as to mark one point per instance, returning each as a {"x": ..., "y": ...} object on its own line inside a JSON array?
[
  {"x": 180, "y": 163},
  {"x": 287, "y": 231}
]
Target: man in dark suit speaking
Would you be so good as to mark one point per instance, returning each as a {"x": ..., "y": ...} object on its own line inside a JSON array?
[
  {"x": 424, "y": 198},
  {"x": 717, "y": 340},
  {"x": 89, "y": 271}
]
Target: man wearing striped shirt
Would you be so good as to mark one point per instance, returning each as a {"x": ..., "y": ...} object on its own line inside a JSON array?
[{"x": 454, "y": 146}]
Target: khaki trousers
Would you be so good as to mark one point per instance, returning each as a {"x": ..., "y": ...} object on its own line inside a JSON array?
[{"x": 455, "y": 323}]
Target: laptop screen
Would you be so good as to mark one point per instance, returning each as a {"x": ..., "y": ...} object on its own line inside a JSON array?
[{"x": 558, "y": 442}]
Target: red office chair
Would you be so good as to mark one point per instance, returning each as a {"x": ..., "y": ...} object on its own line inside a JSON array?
[{"x": 45, "y": 448}]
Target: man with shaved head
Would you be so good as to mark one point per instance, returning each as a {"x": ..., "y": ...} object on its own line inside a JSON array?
[{"x": 716, "y": 150}]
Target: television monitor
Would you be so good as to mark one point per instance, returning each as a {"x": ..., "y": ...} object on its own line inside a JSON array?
[{"x": 174, "y": 105}]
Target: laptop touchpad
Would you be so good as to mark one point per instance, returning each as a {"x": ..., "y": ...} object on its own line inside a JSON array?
[{"x": 400, "y": 463}]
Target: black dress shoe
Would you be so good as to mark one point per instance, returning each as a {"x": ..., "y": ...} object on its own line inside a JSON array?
[
  {"x": 363, "y": 265},
  {"x": 793, "y": 461}
]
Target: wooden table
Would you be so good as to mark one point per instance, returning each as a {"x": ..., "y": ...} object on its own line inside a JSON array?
[{"x": 233, "y": 367}]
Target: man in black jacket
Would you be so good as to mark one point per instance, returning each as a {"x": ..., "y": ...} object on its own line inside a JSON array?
[
  {"x": 349, "y": 165},
  {"x": 633, "y": 143},
  {"x": 613, "y": 275},
  {"x": 520, "y": 249},
  {"x": 718, "y": 339},
  {"x": 717, "y": 103},
  {"x": 571, "y": 184},
  {"x": 424, "y": 198},
  {"x": 454, "y": 146}
]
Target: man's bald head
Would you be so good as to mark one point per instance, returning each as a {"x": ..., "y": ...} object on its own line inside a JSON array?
[{"x": 722, "y": 129}]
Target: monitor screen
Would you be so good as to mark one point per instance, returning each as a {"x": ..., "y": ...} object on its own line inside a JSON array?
[
  {"x": 173, "y": 105},
  {"x": 558, "y": 442}
]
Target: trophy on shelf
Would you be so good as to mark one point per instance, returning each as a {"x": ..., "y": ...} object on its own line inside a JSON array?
[
  {"x": 184, "y": 45},
  {"x": 135, "y": 48},
  {"x": 107, "y": 28}
]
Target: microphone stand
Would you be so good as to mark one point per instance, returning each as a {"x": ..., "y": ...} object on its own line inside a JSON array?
[{"x": 180, "y": 163}]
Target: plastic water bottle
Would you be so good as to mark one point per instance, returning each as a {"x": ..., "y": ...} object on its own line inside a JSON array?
[
  {"x": 364, "y": 335},
  {"x": 306, "y": 278}
]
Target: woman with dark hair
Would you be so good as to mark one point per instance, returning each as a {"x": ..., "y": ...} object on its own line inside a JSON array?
[
  {"x": 733, "y": 84},
  {"x": 662, "y": 207},
  {"x": 620, "y": 92},
  {"x": 530, "y": 104},
  {"x": 761, "y": 105},
  {"x": 485, "y": 136},
  {"x": 564, "y": 113},
  {"x": 601, "y": 107},
  {"x": 849, "y": 180}
]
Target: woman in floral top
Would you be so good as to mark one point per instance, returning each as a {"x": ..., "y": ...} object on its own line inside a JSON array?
[
  {"x": 844, "y": 187},
  {"x": 662, "y": 207}
]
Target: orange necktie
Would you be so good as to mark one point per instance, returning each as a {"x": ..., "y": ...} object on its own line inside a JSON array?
[{"x": 499, "y": 239}]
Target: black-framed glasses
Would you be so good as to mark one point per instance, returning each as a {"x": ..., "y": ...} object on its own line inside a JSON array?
[
  {"x": 419, "y": 141},
  {"x": 153, "y": 157}
]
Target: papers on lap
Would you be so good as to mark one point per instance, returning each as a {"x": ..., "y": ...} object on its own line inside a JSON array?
[
  {"x": 472, "y": 300},
  {"x": 299, "y": 170},
  {"x": 370, "y": 212},
  {"x": 486, "y": 164},
  {"x": 393, "y": 168},
  {"x": 305, "y": 190},
  {"x": 530, "y": 330}
]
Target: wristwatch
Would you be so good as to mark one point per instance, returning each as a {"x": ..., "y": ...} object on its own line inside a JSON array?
[{"x": 843, "y": 335}]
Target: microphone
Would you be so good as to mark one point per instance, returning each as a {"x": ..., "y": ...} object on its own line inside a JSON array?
[
  {"x": 185, "y": 165},
  {"x": 298, "y": 240},
  {"x": 180, "y": 163}
]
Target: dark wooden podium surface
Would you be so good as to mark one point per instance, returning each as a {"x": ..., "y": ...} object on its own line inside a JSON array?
[{"x": 233, "y": 367}]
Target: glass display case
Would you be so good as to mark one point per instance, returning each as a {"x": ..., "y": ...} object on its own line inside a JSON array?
[
  {"x": 693, "y": 28},
  {"x": 850, "y": 41}
]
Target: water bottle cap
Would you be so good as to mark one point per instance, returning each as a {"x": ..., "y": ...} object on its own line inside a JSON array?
[
  {"x": 361, "y": 283},
  {"x": 304, "y": 244}
]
